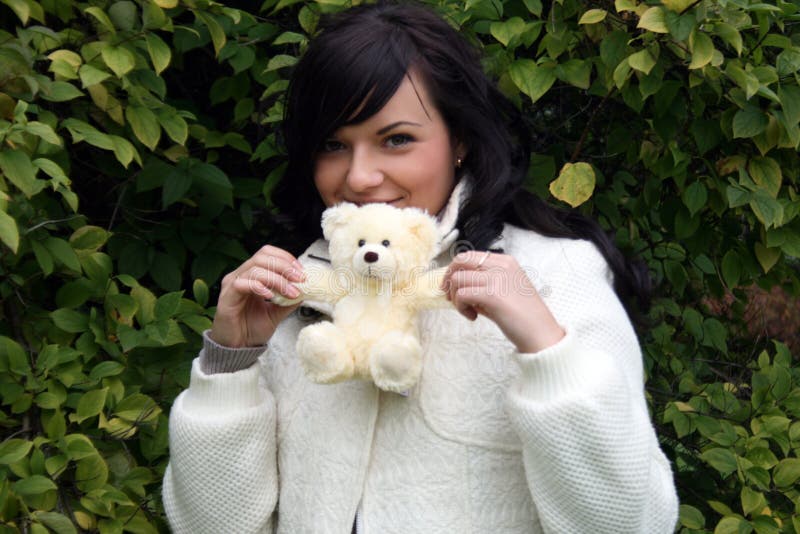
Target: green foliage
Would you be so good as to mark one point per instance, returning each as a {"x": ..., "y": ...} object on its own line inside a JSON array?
[{"x": 137, "y": 156}]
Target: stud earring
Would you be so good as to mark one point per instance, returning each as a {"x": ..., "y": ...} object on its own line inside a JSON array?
[{"x": 458, "y": 162}]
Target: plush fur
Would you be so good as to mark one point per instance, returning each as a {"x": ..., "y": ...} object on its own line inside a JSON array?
[{"x": 378, "y": 282}]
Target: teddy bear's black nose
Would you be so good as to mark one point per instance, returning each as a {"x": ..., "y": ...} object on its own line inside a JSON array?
[{"x": 371, "y": 257}]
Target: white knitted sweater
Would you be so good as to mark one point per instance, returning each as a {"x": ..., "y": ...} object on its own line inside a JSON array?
[{"x": 489, "y": 441}]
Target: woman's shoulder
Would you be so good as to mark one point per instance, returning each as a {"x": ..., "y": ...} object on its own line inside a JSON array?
[{"x": 558, "y": 254}]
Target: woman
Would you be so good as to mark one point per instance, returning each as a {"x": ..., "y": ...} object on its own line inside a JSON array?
[{"x": 529, "y": 417}]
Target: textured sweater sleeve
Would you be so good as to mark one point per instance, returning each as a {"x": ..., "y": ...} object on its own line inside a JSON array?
[
  {"x": 222, "y": 475},
  {"x": 591, "y": 454}
]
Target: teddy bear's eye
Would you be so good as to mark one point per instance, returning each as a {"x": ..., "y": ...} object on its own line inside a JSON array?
[
  {"x": 361, "y": 242},
  {"x": 385, "y": 242}
]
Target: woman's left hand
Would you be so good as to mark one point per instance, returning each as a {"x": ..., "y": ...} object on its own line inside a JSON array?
[{"x": 494, "y": 285}]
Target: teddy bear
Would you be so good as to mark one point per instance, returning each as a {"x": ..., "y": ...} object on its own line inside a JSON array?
[{"x": 378, "y": 282}]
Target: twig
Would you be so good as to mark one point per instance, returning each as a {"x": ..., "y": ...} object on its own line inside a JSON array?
[{"x": 585, "y": 132}]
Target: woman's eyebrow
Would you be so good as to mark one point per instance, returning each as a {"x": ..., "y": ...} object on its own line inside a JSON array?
[{"x": 395, "y": 125}]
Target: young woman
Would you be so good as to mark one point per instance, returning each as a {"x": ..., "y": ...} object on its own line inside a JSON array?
[{"x": 530, "y": 415}]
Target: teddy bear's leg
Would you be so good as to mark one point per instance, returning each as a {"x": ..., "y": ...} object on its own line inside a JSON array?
[
  {"x": 323, "y": 353},
  {"x": 395, "y": 362}
]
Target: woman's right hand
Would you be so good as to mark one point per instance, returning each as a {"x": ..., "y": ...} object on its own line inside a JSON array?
[{"x": 245, "y": 317}]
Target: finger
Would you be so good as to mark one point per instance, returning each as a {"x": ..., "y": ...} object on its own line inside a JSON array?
[
  {"x": 291, "y": 270},
  {"x": 471, "y": 260},
  {"x": 465, "y": 279},
  {"x": 270, "y": 280}
]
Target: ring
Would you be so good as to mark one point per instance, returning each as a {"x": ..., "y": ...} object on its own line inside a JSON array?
[{"x": 483, "y": 259}]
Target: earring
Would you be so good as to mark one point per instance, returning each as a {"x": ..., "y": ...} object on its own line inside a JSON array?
[{"x": 458, "y": 162}]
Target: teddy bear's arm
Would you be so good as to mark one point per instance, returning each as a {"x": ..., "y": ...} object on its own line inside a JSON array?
[
  {"x": 321, "y": 284},
  {"x": 426, "y": 291}
]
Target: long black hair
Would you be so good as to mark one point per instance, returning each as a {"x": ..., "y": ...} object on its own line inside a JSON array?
[{"x": 355, "y": 65}]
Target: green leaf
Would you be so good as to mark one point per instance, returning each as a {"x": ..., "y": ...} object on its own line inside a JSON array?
[
  {"x": 766, "y": 173},
  {"x": 695, "y": 197},
  {"x": 123, "y": 14},
  {"x": 58, "y": 523},
  {"x": 691, "y": 517},
  {"x": 137, "y": 408},
  {"x": 200, "y": 292},
  {"x": 747, "y": 81},
  {"x": 788, "y": 61},
  {"x": 787, "y": 472},
  {"x": 214, "y": 29},
  {"x": 280, "y": 61},
  {"x": 732, "y": 525},
  {"x": 593, "y": 16},
  {"x": 702, "y": 49},
  {"x": 731, "y": 269},
  {"x": 643, "y": 61},
  {"x": 101, "y": 17},
  {"x": 17, "y": 167},
  {"x": 119, "y": 59},
  {"x": 91, "y": 404},
  {"x": 575, "y": 183},
  {"x": 768, "y": 210},
  {"x": 575, "y": 72},
  {"x": 92, "y": 75},
  {"x": 167, "y": 305},
  {"x": 160, "y": 53},
  {"x": 44, "y": 131},
  {"x": 33, "y": 485},
  {"x": 88, "y": 238},
  {"x": 723, "y": 460},
  {"x": 70, "y": 320},
  {"x": 653, "y": 20},
  {"x": 213, "y": 181},
  {"x": 144, "y": 124},
  {"x": 9, "y": 233},
  {"x": 13, "y": 450},
  {"x": 13, "y": 357},
  {"x": 749, "y": 122},
  {"x": 532, "y": 79},
  {"x": 767, "y": 257},
  {"x": 507, "y": 30},
  {"x": 730, "y": 35},
  {"x": 104, "y": 369},
  {"x": 789, "y": 96},
  {"x": 91, "y": 473},
  {"x": 173, "y": 124},
  {"x": 63, "y": 252},
  {"x": 714, "y": 335}
]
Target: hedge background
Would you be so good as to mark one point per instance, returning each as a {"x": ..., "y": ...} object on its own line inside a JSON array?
[{"x": 137, "y": 155}]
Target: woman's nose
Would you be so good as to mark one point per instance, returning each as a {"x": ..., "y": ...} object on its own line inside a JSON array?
[{"x": 364, "y": 172}]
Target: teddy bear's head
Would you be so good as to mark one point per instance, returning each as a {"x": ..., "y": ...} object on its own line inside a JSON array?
[{"x": 378, "y": 240}]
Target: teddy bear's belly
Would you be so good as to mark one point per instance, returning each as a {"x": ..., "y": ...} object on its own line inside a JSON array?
[{"x": 370, "y": 318}]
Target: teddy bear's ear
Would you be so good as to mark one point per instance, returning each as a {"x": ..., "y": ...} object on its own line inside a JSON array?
[
  {"x": 423, "y": 227},
  {"x": 336, "y": 217}
]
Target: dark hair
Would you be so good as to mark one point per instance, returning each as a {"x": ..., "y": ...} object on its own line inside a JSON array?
[{"x": 355, "y": 65}]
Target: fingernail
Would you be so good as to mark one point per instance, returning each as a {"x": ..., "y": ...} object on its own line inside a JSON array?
[
  {"x": 293, "y": 292},
  {"x": 295, "y": 275}
]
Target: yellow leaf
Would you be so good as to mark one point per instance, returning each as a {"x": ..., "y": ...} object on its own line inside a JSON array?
[
  {"x": 166, "y": 4},
  {"x": 593, "y": 16},
  {"x": 624, "y": 5},
  {"x": 575, "y": 183},
  {"x": 702, "y": 49},
  {"x": 653, "y": 20},
  {"x": 678, "y": 6}
]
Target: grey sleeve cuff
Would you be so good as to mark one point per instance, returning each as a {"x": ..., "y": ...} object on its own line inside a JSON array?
[{"x": 216, "y": 358}]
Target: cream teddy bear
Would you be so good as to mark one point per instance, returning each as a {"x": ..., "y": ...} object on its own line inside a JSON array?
[{"x": 378, "y": 282}]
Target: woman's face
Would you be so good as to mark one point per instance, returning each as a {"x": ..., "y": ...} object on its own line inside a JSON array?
[{"x": 403, "y": 155}]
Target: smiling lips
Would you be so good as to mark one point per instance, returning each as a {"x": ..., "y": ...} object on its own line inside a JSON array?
[{"x": 376, "y": 201}]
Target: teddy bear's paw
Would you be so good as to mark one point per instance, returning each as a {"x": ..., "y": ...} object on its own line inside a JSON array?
[
  {"x": 280, "y": 300},
  {"x": 396, "y": 362},
  {"x": 323, "y": 353}
]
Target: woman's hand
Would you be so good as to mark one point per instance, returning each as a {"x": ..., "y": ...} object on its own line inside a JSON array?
[
  {"x": 245, "y": 317},
  {"x": 494, "y": 285}
]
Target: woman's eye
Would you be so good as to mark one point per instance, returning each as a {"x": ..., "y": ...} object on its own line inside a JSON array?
[
  {"x": 398, "y": 140},
  {"x": 385, "y": 242},
  {"x": 361, "y": 242},
  {"x": 332, "y": 145}
]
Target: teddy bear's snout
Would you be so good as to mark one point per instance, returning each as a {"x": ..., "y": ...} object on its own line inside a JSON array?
[{"x": 371, "y": 257}]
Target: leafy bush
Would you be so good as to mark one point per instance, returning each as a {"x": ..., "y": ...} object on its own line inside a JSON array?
[{"x": 137, "y": 155}]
